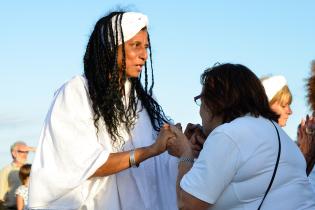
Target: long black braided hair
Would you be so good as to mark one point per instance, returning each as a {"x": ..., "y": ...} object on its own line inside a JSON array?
[{"x": 105, "y": 85}]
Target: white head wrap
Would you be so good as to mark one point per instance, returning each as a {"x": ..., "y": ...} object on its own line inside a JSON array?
[
  {"x": 131, "y": 24},
  {"x": 273, "y": 85}
]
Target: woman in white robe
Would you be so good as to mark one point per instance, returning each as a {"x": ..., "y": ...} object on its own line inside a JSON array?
[{"x": 99, "y": 147}]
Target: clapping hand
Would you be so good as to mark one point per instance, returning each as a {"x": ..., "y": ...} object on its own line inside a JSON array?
[{"x": 306, "y": 141}]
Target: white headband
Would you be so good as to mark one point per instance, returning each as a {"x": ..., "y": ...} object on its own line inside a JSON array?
[
  {"x": 273, "y": 85},
  {"x": 131, "y": 24}
]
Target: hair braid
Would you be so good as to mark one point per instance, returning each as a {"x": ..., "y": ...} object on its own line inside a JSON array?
[{"x": 106, "y": 85}]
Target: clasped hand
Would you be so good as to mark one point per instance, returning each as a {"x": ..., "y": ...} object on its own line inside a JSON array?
[{"x": 177, "y": 143}]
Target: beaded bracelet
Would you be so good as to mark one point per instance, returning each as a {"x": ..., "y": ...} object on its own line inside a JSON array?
[{"x": 186, "y": 160}]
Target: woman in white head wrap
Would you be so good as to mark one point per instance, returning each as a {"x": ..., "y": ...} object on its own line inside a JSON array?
[
  {"x": 100, "y": 148},
  {"x": 279, "y": 97}
]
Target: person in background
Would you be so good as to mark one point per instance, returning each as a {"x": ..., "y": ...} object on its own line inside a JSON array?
[
  {"x": 103, "y": 142},
  {"x": 22, "y": 191},
  {"x": 245, "y": 151},
  {"x": 9, "y": 175},
  {"x": 306, "y": 129},
  {"x": 279, "y": 97}
]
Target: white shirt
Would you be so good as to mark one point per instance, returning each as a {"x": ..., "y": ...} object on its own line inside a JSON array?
[
  {"x": 236, "y": 164},
  {"x": 70, "y": 151},
  {"x": 22, "y": 191}
]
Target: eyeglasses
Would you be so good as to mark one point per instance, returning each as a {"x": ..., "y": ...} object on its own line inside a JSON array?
[
  {"x": 21, "y": 151},
  {"x": 197, "y": 100}
]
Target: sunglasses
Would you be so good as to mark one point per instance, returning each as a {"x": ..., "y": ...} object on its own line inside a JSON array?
[
  {"x": 23, "y": 152},
  {"x": 197, "y": 99}
]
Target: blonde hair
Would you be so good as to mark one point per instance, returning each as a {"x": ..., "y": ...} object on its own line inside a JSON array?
[{"x": 283, "y": 96}]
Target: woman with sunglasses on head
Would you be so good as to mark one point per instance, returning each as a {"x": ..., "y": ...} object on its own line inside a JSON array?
[
  {"x": 247, "y": 160},
  {"x": 100, "y": 147}
]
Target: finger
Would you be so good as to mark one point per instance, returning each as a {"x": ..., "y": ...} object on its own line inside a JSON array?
[
  {"x": 175, "y": 130},
  {"x": 300, "y": 128},
  {"x": 196, "y": 147},
  {"x": 311, "y": 122},
  {"x": 164, "y": 135},
  {"x": 193, "y": 139},
  {"x": 199, "y": 126},
  {"x": 166, "y": 126},
  {"x": 302, "y": 122},
  {"x": 179, "y": 126},
  {"x": 196, "y": 154},
  {"x": 190, "y": 127},
  {"x": 200, "y": 140},
  {"x": 31, "y": 149},
  {"x": 166, "y": 129},
  {"x": 199, "y": 130},
  {"x": 171, "y": 141},
  {"x": 309, "y": 131}
]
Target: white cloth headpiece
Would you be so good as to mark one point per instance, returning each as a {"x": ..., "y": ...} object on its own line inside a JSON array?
[
  {"x": 131, "y": 24},
  {"x": 273, "y": 85}
]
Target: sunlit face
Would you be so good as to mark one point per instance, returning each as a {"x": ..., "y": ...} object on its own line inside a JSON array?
[
  {"x": 135, "y": 52},
  {"x": 20, "y": 154},
  {"x": 206, "y": 117},
  {"x": 209, "y": 122},
  {"x": 284, "y": 110}
]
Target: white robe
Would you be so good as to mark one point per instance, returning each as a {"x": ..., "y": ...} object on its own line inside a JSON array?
[{"x": 70, "y": 150}]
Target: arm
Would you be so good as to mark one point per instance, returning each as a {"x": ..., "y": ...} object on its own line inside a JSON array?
[
  {"x": 117, "y": 162},
  {"x": 19, "y": 202},
  {"x": 185, "y": 200},
  {"x": 306, "y": 142},
  {"x": 181, "y": 147},
  {"x": 28, "y": 148},
  {"x": 3, "y": 184}
]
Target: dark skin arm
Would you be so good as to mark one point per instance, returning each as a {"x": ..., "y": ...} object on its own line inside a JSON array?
[{"x": 117, "y": 162}]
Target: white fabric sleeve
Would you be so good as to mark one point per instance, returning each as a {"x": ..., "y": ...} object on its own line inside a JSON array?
[
  {"x": 3, "y": 184},
  {"x": 214, "y": 169},
  {"x": 69, "y": 151},
  {"x": 19, "y": 191}
]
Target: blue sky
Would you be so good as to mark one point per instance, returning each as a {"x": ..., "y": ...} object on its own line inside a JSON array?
[{"x": 42, "y": 44}]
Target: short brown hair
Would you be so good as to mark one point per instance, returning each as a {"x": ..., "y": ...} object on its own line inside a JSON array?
[
  {"x": 232, "y": 91},
  {"x": 24, "y": 173}
]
